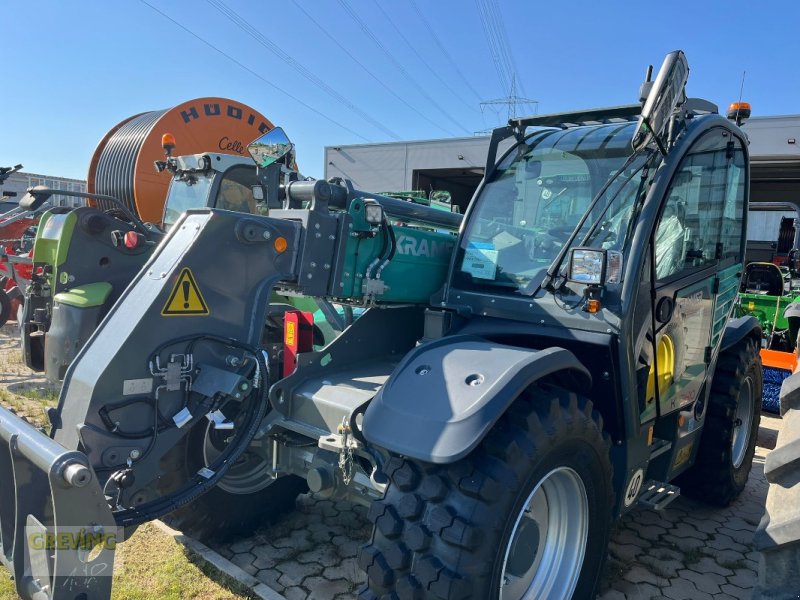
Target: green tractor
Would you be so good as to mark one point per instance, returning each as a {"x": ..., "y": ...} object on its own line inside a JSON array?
[
  {"x": 509, "y": 392},
  {"x": 83, "y": 258}
]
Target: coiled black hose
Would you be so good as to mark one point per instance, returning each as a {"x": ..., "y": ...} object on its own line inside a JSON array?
[{"x": 199, "y": 484}]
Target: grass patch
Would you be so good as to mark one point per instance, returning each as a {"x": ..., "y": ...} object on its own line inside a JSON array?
[
  {"x": 153, "y": 565},
  {"x": 7, "y": 591},
  {"x": 47, "y": 396},
  {"x": 10, "y": 400},
  {"x": 30, "y": 404}
]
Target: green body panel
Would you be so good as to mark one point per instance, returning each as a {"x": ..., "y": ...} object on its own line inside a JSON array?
[
  {"x": 726, "y": 297},
  {"x": 85, "y": 296},
  {"x": 765, "y": 309},
  {"x": 416, "y": 271},
  {"x": 53, "y": 238},
  {"x": 419, "y": 197}
]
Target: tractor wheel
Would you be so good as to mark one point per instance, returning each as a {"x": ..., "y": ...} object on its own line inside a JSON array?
[
  {"x": 728, "y": 441},
  {"x": 246, "y": 498},
  {"x": 5, "y": 307},
  {"x": 526, "y": 515}
]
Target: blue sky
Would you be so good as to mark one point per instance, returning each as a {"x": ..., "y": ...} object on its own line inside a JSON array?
[{"x": 72, "y": 70}]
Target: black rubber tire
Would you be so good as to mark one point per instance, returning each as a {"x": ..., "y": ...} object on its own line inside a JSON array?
[
  {"x": 5, "y": 307},
  {"x": 713, "y": 477},
  {"x": 219, "y": 515},
  {"x": 441, "y": 530}
]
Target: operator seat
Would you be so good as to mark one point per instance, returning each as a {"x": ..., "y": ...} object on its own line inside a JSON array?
[
  {"x": 670, "y": 239},
  {"x": 762, "y": 278}
]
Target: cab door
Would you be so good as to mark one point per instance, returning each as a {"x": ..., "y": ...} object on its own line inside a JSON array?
[{"x": 697, "y": 248}]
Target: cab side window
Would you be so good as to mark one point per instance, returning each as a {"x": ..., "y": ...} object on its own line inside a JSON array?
[
  {"x": 236, "y": 190},
  {"x": 701, "y": 222}
]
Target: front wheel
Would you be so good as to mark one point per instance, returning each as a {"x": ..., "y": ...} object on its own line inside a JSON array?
[{"x": 525, "y": 516}]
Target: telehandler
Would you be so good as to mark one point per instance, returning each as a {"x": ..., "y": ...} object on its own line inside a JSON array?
[
  {"x": 510, "y": 391},
  {"x": 85, "y": 257}
]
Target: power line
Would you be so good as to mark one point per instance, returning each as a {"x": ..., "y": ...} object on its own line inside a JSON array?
[
  {"x": 397, "y": 64},
  {"x": 419, "y": 56},
  {"x": 254, "y": 73},
  {"x": 503, "y": 59},
  {"x": 370, "y": 73},
  {"x": 503, "y": 32},
  {"x": 493, "y": 51},
  {"x": 505, "y": 46},
  {"x": 512, "y": 101},
  {"x": 242, "y": 24},
  {"x": 499, "y": 47},
  {"x": 435, "y": 38}
]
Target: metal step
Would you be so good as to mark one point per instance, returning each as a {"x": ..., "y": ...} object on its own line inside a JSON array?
[
  {"x": 658, "y": 447},
  {"x": 656, "y": 495}
]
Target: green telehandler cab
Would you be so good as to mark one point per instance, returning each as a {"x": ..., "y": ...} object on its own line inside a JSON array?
[{"x": 510, "y": 390}]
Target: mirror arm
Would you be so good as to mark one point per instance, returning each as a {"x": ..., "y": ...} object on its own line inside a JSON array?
[
  {"x": 659, "y": 143},
  {"x": 270, "y": 179}
]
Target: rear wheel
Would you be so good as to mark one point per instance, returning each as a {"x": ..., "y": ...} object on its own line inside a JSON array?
[
  {"x": 526, "y": 515},
  {"x": 728, "y": 442},
  {"x": 245, "y": 499}
]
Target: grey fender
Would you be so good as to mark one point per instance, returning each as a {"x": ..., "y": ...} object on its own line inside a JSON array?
[
  {"x": 737, "y": 329},
  {"x": 445, "y": 395}
]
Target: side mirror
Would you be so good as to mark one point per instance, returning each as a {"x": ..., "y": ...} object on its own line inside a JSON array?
[
  {"x": 592, "y": 266},
  {"x": 35, "y": 198},
  {"x": 270, "y": 147}
]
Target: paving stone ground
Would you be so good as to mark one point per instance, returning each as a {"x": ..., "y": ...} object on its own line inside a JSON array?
[{"x": 689, "y": 551}]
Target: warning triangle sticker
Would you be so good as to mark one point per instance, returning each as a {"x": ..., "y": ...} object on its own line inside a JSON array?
[{"x": 185, "y": 299}]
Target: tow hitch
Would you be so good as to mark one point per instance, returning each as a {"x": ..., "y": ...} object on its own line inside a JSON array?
[{"x": 57, "y": 533}]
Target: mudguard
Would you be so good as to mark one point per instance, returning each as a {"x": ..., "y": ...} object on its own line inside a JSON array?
[
  {"x": 737, "y": 329},
  {"x": 445, "y": 395}
]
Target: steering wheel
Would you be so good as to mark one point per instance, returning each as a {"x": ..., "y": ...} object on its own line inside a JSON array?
[
  {"x": 542, "y": 244},
  {"x": 561, "y": 232}
]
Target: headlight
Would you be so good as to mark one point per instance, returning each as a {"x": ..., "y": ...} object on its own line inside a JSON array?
[{"x": 373, "y": 212}]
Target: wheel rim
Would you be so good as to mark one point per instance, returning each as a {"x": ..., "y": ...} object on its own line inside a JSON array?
[
  {"x": 251, "y": 473},
  {"x": 742, "y": 422},
  {"x": 545, "y": 552}
]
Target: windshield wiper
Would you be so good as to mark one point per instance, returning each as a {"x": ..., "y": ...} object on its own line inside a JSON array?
[{"x": 552, "y": 271}]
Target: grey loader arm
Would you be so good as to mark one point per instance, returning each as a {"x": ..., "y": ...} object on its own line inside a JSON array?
[
  {"x": 445, "y": 395},
  {"x": 778, "y": 534}
]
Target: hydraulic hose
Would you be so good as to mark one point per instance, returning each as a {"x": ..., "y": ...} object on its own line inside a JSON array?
[{"x": 200, "y": 484}]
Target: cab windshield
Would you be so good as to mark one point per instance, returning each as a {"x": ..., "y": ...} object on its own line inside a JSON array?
[
  {"x": 183, "y": 197},
  {"x": 525, "y": 214}
]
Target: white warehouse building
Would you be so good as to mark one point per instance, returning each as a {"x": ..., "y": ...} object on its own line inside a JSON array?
[
  {"x": 457, "y": 164},
  {"x": 454, "y": 164}
]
